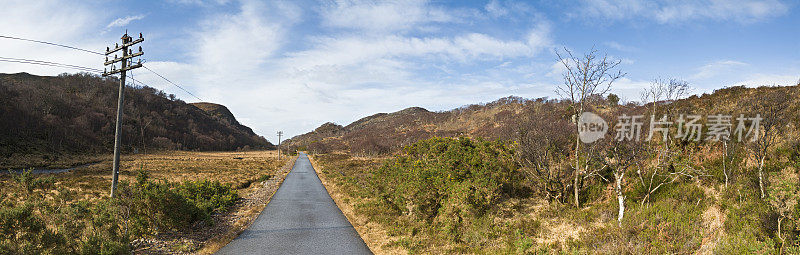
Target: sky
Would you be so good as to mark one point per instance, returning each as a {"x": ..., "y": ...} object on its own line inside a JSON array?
[{"x": 294, "y": 65}]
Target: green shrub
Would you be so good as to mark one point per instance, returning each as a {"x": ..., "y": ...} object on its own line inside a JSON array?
[
  {"x": 62, "y": 226},
  {"x": 208, "y": 196},
  {"x": 448, "y": 182},
  {"x": 745, "y": 242},
  {"x": 665, "y": 226},
  {"x": 748, "y": 222},
  {"x": 23, "y": 232},
  {"x": 159, "y": 205},
  {"x": 264, "y": 178},
  {"x": 155, "y": 206},
  {"x": 28, "y": 182}
]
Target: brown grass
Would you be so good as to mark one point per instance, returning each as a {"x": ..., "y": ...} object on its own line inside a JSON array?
[
  {"x": 17, "y": 161},
  {"x": 240, "y": 169},
  {"x": 237, "y": 168}
]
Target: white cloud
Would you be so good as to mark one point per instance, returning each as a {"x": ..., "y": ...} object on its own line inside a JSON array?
[
  {"x": 670, "y": 12},
  {"x": 382, "y": 16},
  {"x": 495, "y": 9},
  {"x": 124, "y": 21},
  {"x": 50, "y": 21},
  {"x": 619, "y": 47},
  {"x": 717, "y": 68},
  {"x": 760, "y": 79},
  {"x": 629, "y": 90},
  {"x": 556, "y": 70}
]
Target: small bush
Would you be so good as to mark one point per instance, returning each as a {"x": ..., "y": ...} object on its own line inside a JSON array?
[
  {"x": 28, "y": 182},
  {"x": 448, "y": 182},
  {"x": 159, "y": 205},
  {"x": 22, "y": 232},
  {"x": 208, "y": 196},
  {"x": 36, "y": 225}
]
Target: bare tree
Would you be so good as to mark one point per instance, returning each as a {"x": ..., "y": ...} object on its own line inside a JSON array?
[
  {"x": 730, "y": 155},
  {"x": 769, "y": 107},
  {"x": 584, "y": 77},
  {"x": 667, "y": 166},
  {"x": 543, "y": 145},
  {"x": 620, "y": 156},
  {"x": 664, "y": 92}
]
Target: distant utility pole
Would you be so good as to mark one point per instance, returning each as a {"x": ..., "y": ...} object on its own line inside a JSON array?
[
  {"x": 127, "y": 65},
  {"x": 280, "y": 133}
]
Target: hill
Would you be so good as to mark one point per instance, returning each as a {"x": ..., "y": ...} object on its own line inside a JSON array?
[
  {"x": 75, "y": 114},
  {"x": 501, "y": 119},
  {"x": 533, "y": 190},
  {"x": 387, "y": 132},
  {"x": 223, "y": 114}
]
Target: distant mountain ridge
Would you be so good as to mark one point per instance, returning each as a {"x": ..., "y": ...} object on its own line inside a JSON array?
[
  {"x": 387, "y": 132},
  {"x": 75, "y": 113}
]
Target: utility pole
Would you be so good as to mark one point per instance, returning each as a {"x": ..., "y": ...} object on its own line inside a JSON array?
[
  {"x": 280, "y": 133},
  {"x": 126, "y": 65}
]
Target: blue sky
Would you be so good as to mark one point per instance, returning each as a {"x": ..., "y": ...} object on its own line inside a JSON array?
[{"x": 293, "y": 65}]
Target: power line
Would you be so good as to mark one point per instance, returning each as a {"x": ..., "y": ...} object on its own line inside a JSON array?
[
  {"x": 50, "y": 43},
  {"x": 79, "y": 68},
  {"x": 47, "y": 63},
  {"x": 87, "y": 69},
  {"x": 53, "y": 64},
  {"x": 176, "y": 85}
]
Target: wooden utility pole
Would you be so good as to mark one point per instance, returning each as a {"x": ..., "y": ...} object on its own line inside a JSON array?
[
  {"x": 280, "y": 133},
  {"x": 126, "y": 65}
]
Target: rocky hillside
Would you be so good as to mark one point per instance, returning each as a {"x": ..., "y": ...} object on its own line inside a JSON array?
[
  {"x": 75, "y": 114},
  {"x": 222, "y": 114}
]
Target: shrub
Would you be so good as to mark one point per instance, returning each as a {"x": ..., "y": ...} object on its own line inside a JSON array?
[
  {"x": 745, "y": 242},
  {"x": 155, "y": 206},
  {"x": 63, "y": 226},
  {"x": 446, "y": 181},
  {"x": 23, "y": 232},
  {"x": 161, "y": 205},
  {"x": 665, "y": 226},
  {"x": 208, "y": 196},
  {"x": 28, "y": 182}
]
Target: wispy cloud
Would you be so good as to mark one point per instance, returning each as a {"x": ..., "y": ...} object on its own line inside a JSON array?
[
  {"x": 382, "y": 16},
  {"x": 619, "y": 47},
  {"x": 672, "y": 12},
  {"x": 717, "y": 68},
  {"x": 124, "y": 21}
]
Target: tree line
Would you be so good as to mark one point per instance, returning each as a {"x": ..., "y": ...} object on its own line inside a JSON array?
[{"x": 74, "y": 113}]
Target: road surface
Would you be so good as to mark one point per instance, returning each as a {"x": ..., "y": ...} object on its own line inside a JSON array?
[{"x": 301, "y": 218}]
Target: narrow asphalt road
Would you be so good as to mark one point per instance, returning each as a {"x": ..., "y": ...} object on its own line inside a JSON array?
[{"x": 301, "y": 218}]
